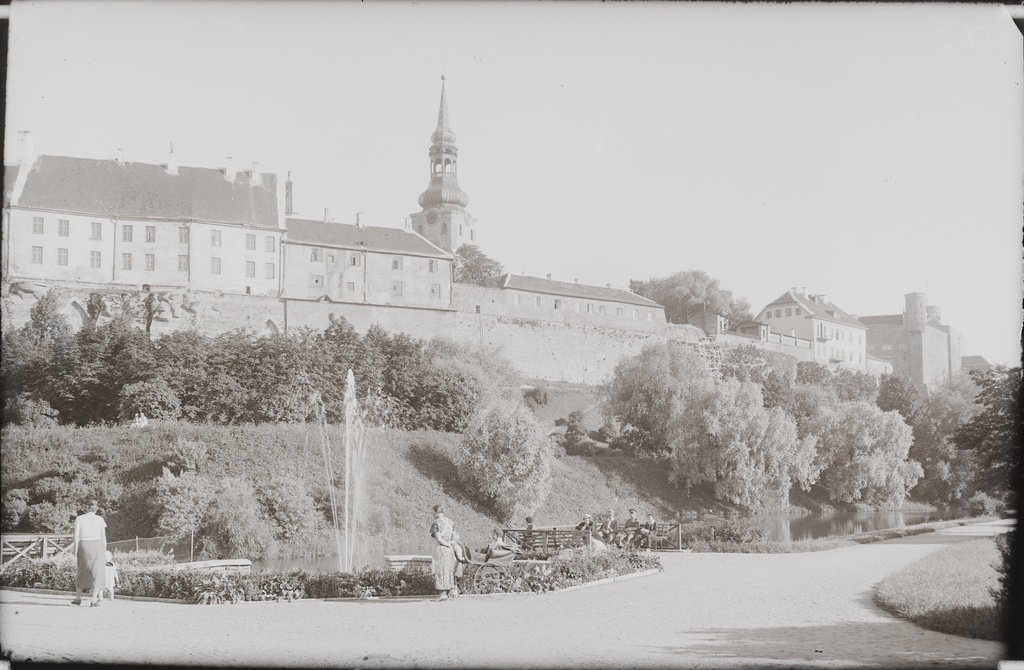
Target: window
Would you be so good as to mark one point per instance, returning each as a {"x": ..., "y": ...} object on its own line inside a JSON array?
[
  {"x": 537, "y": 299},
  {"x": 516, "y": 299},
  {"x": 768, "y": 314},
  {"x": 97, "y": 230},
  {"x": 330, "y": 258},
  {"x": 396, "y": 262},
  {"x": 316, "y": 255},
  {"x": 94, "y": 259},
  {"x": 650, "y": 316},
  {"x": 432, "y": 267},
  {"x": 250, "y": 268},
  {"x": 183, "y": 235},
  {"x": 63, "y": 227},
  {"x": 460, "y": 229},
  {"x": 37, "y": 225},
  {"x": 126, "y": 261},
  {"x": 636, "y": 315},
  {"x": 789, "y": 311},
  {"x": 618, "y": 311},
  {"x": 797, "y": 311},
  {"x": 214, "y": 238},
  {"x": 127, "y": 230},
  {"x": 182, "y": 263},
  {"x": 601, "y": 309},
  {"x": 396, "y": 288},
  {"x": 590, "y": 308},
  {"x": 860, "y": 358},
  {"x": 62, "y": 256},
  {"x": 268, "y": 270},
  {"x": 435, "y": 290},
  {"x": 37, "y": 254},
  {"x": 151, "y": 261},
  {"x": 860, "y": 338},
  {"x": 151, "y": 233},
  {"x": 268, "y": 244},
  {"x": 350, "y": 287},
  {"x": 215, "y": 266},
  {"x": 478, "y": 309},
  {"x": 354, "y": 260},
  {"x": 316, "y": 281},
  {"x": 471, "y": 235},
  {"x": 558, "y": 304},
  {"x": 576, "y": 306},
  {"x": 778, "y": 313}
]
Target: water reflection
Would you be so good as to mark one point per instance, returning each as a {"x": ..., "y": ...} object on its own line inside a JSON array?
[
  {"x": 824, "y": 524},
  {"x": 369, "y": 552}
]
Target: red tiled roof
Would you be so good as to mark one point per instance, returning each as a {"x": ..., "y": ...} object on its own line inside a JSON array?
[
  {"x": 374, "y": 238},
  {"x": 883, "y": 320},
  {"x": 573, "y": 290},
  {"x": 827, "y": 311},
  {"x": 142, "y": 190}
]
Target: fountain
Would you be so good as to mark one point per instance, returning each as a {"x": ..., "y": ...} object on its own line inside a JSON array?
[{"x": 346, "y": 529}]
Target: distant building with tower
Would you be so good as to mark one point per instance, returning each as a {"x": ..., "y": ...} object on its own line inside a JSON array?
[{"x": 916, "y": 342}]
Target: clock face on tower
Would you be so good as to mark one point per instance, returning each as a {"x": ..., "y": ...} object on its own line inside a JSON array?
[{"x": 432, "y": 217}]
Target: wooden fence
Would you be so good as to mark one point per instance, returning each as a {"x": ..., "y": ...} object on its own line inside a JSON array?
[{"x": 28, "y": 545}]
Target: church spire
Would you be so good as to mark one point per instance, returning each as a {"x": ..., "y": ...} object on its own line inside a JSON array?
[{"x": 443, "y": 190}]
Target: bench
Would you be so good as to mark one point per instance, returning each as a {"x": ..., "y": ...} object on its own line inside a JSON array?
[
  {"x": 547, "y": 539},
  {"x": 408, "y": 562}
]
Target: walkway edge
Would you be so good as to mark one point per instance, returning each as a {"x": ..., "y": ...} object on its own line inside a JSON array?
[{"x": 607, "y": 580}]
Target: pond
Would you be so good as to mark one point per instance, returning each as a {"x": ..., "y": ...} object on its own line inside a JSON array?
[{"x": 824, "y": 524}]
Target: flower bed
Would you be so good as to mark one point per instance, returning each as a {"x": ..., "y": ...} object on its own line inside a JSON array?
[{"x": 570, "y": 568}]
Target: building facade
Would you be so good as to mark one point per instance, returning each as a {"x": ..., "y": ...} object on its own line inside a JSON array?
[
  {"x": 916, "y": 342},
  {"x": 836, "y": 337}
]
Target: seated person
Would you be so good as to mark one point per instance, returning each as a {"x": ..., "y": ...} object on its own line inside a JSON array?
[
  {"x": 528, "y": 533},
  {"x": 586, "y": 524},
  {"x": 499, "y": 548},
  {"x": 647, "y": 532},
  {"x": 609, "y": 530},
  {"x": 631, "y": 529}
]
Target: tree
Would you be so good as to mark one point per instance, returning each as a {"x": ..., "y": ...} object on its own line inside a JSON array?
[
  {"x": 772, "y": 371},
  {"x": 899, "y": 393},
  {"x": 183, "y": 502},
  {"x": 863, "y": 454},
  {"x": 473, "y": 266},
  {"x": 853, "y": 386},
  {"x": 724, "y": 436},
  {"x": 154, "y": 398},
  {"x": 992, "y": 434},
  {"x": 235, "y": 525},
  {"x": 949, "y": 472},
  {"x": 505, "y": 458},
  {"x": 691, "y": 294},
  {"x": 646, "y": 393},
  {"x": 812, "y": 372}
]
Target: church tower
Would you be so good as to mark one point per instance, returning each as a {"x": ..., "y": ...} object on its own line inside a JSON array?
[{"x": 444, "y": 219}]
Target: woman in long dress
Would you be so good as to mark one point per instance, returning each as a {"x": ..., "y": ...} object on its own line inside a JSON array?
[
  {"x": 91, "y": 551},
  {"x": 443, "y": 563}
]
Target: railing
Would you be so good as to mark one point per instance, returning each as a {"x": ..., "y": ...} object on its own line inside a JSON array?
[
  {"x": 668, "y": 536},
  {"x": 16, "y": 546}
]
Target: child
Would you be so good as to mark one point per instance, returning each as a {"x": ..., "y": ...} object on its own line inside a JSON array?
[{"x": 111, "y": 579}]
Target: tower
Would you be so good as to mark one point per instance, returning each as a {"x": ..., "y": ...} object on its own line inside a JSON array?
[{"x": 444, "y": 219}]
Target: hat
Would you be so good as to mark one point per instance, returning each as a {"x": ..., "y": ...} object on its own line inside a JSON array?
[
  {"x": 632, "y": 511},
  {"x": 587, "y": 516}
]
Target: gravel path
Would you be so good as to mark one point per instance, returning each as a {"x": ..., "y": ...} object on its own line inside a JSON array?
[{"x": 704, "y": 610}]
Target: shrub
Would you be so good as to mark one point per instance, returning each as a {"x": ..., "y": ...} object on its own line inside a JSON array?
[
  {"x": 506, "y": 459},
  {"x": 538, "y": 395},
  {"x": 154, "y": 398},
  {"x": 575, "y": 431},
  {"x": 981, "y": 504},
  {"x": 142, "y": 558},
  {"x": 27, "y": 411},
  {"x": 13, "y": 507},
  {"x": 186, "y": 455},
  {"x": 1004, "y": 543},
  {"x": 235, "y": 526},
  {"x": 291, "y": 508}
]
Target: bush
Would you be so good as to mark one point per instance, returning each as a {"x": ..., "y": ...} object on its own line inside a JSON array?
[
  {"x": 1004, "y": 543},
  {"x": 154, "y": 398},
  {"x": 26, "y": 411},
  {"x": 983, "y": 505},
  {"x": 538, "y": 395},
  {"x": 13, "y": 507},
  {"x": 141, "y": 558},
  {"x": 575, "y": 431},
  {"x": 738, "y": 531}
]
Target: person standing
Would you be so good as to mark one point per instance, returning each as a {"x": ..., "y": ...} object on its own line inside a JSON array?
[
  {"x": 91, "y": 551},
  {"x": 443, "y": 563}
]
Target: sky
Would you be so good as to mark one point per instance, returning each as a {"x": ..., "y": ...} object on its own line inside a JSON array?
[{"x": 859, "y": 150}]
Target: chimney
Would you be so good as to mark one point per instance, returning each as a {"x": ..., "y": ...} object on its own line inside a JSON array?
[
  {"x": 120, "y": 157},
  {"x": 256, "y": 179},
  {"x": 326, "y": 217},
  {"x": 172, "y": 162},
  {"x": 229, "y": 169},
  {"x": 549, "y": 275},
  {"x": 26, "y": 147},
  {"x": 576, "y": 280},
  {"x": 359, "y": 224},
  {"x": 803, "y": 291},
  {"x": 288, "y": 196},
  {"x": 408, "y": 223}
]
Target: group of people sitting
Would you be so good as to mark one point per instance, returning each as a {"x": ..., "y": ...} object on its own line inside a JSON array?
[{"x": 630, "y": 535}]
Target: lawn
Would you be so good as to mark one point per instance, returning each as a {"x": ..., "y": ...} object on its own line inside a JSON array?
[{"x": 948, "y": 591}]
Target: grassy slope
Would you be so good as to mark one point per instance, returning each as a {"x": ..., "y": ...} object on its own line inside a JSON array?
[{"x": 948, "y": 591}]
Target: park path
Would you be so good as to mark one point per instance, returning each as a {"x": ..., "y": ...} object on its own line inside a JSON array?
[{"x": 704, "y": 611}]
